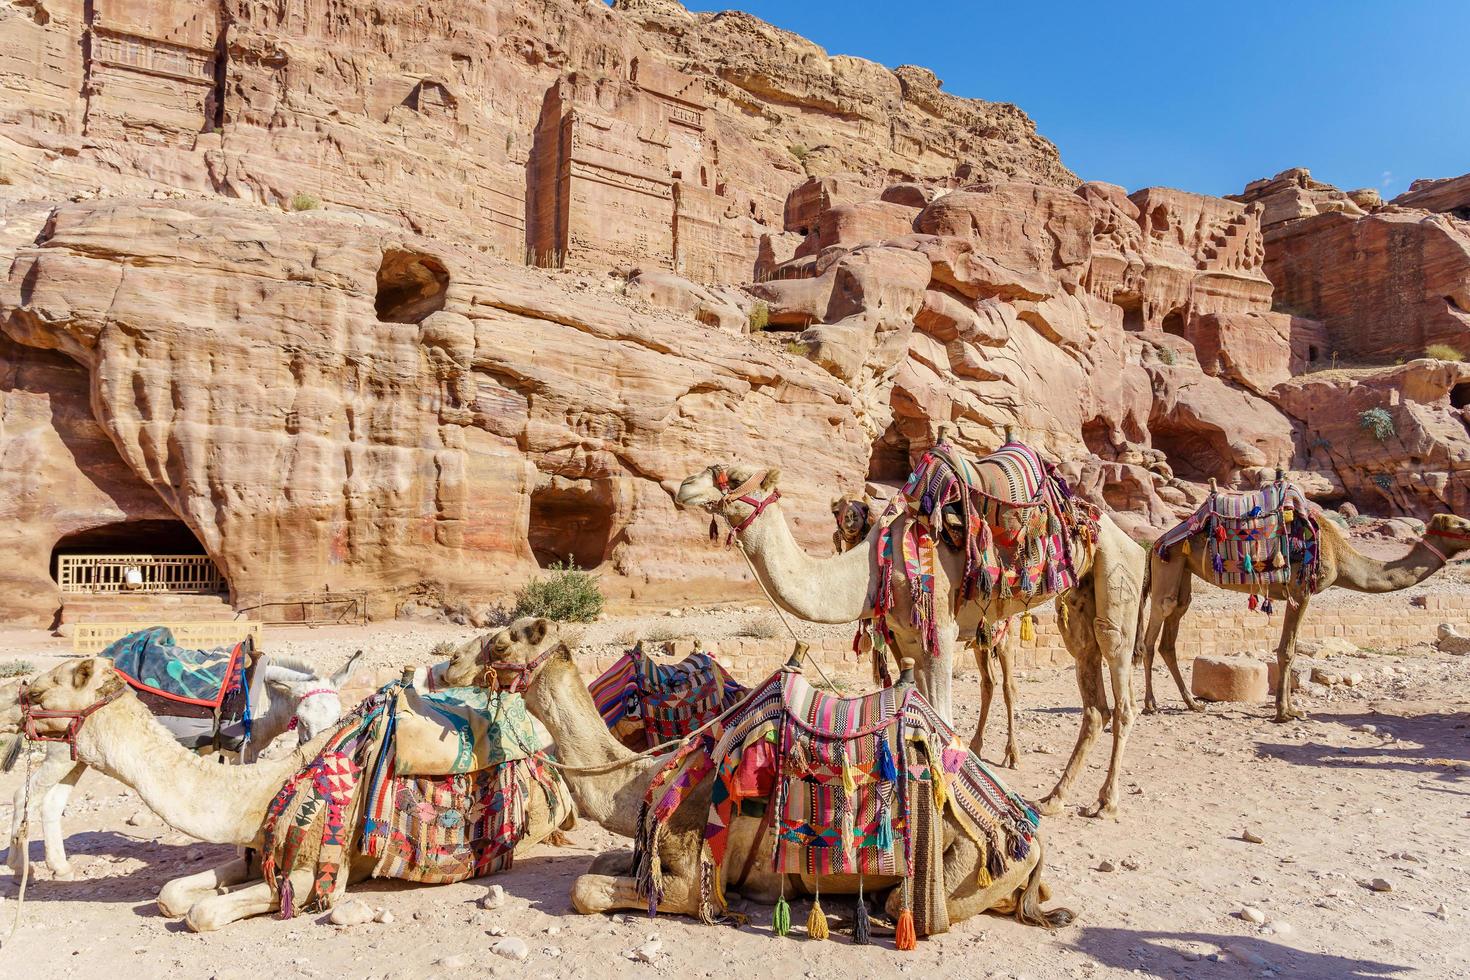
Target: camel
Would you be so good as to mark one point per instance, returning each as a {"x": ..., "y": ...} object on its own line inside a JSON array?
[
  {"x": 608, "y": 783},
  {"x": 1169, "y": 584},
  {"x": 194, "y": 795},
  {"x": 293, "y": 693},
  {"x": 854, "y": 521},
  {"x": 1098, "y": 628}
]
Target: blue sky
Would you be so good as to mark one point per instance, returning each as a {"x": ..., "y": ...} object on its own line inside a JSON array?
[{"x": 1201, "y": 96}]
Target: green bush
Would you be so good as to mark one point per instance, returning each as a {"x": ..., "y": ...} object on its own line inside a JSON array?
[
  {"x": 1377, "y": 421},
  {"x": 1443, "y": 352},
  {"x": 1166, "y": 355},
  {"x": 16, "y": 668},
  {"x": 304, "y": 202},
  {"x": 567, "y": 595},
  {"x": 798, "y": 150},
  {"x": 760, "y": 317},
  {"x": 797, "y": 348}
]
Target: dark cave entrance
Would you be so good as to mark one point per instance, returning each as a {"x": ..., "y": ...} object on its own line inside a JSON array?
[
  {"x": 165, "y": 553},
  {"x": 571, "y": 521},
  {"x": 889, "y": 461},
  {"x": 411, "y": 285}
]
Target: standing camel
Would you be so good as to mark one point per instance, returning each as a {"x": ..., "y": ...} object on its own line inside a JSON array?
[
  {"x": 608, "y": 782},
  {"x": 1169, "y": 585},
  {"x": 1098, "y": 628},
  {"x": 194, "y": 795},
  {"x": 294, "y": 694}
]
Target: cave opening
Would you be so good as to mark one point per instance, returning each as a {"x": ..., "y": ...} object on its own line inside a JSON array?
[
  {"x": 411, "y": 285},
  {"x": 1174, "y": 323},
  {"x": 1460, "y": 395},
  {"x": 137, "y": 555},
  {"x": 889, "y": 459},
  {"x": 1193, "y": 455},
  {"x": 1097, "y": 436},
  {"x": 571, "y": 521}
]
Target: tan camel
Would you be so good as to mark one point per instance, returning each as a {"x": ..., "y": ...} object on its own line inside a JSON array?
[
  {"x": 854, "y": 520},
  {"x": 608, "y": 782},
  {"x": 1169, "y": 583},
  {"x": 1098, "y": 629},
  {"x": 293, "y": 692},
  {"x": 194, "y": 795}
]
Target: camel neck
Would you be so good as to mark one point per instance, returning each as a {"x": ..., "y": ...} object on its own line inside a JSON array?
[
  {"x": 1359, "y": 573},
  {"x": 819, "y": 590},
  {"x": 199, "y": 796},
  {"x": 560, "y": 699}
]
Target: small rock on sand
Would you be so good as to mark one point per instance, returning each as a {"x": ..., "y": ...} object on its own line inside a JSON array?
[
  {"x": 511, "y": 948},
  {"x": 649, "y": 951},
  {"x": 1251, "y": 837},
  {"x": 1378, "y": 885},
  {"x": 493, "y": 898},
  {"x": 1106, "y": 866},
  {"x": 1253, "y": 915},
  {"x": 384, "y": 916},
  {"x": 453, "y": 962},
  {"x": 351, "y": 913}
]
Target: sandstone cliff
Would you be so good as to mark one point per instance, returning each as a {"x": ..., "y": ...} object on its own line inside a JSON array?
[{"x": 410, "y": 300}]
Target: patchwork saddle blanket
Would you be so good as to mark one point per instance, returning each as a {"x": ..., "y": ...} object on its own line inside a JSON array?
[
  {"x": 432, "y": 829},
  {"x": 1011, "y": 514},
  {"x": 202, "y": 696},
  {"x": 655, "y": 702},
  {"x": 1261, "y": 537},
  {"x": 846, "y": 785}
]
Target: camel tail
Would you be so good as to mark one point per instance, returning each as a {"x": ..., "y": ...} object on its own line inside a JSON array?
[
  {"x": 1028, "y": 909},
  {"x": 1143, "y": 604}
]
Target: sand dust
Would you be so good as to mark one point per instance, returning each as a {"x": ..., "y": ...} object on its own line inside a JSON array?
[{"x": 1333, "y": 805}]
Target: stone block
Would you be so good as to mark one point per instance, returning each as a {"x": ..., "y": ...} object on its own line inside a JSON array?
[{"x": 1229, "y": 679}]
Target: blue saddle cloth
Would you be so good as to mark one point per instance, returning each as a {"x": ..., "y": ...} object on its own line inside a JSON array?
[{"x": 150, "y": 662}]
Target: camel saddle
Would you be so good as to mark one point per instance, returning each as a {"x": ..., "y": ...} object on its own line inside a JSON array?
[{"x": 202, "y": 696}]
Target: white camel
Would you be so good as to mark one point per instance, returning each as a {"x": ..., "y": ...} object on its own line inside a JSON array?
[
  {"x": 1098, "y": 627},
  {"x": 294, "y": 694}
]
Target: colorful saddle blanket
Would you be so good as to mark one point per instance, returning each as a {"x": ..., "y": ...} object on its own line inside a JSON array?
[
  {"x": 1261, "y": 537},
  {"x": 1013, "y": 516},
  {"x": 459, "y": 730},
  {"x": 849, "y": 785},
  {"x": 421, "y": 828},
  {"x": 203, "y": 697},
  {"x": 665, "y": 701}
]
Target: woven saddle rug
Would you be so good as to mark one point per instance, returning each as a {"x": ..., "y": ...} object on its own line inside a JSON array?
[
  {"x": 430, "y": 829},
  {"x": 1011, "y": 514},
  {"x": 648, "y": 702},
  {"x": 203, "y": 697},
  {"x": 1260, "y": 537},
  {"x": 848, "y": 786}
]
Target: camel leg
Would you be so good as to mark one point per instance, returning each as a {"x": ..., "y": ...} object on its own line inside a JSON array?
[
  {"x": 1168, "y": 643},
  {"x": 932, "y": 676},
  {"x": 614, "y": 862},
  {"x": 181, "y": 894},
  {"x": 218, "y": 911},
  {"x": 1087, "y": 659},
  {"x": 53, "y": 770},
  {"x": 1116, "y": 654},
  {"x": 1008, "y": 686},
  {"x": 987, "y": 691},
  {"x": 593, "y": 894},
  {"x": 1292, "y": 621}
]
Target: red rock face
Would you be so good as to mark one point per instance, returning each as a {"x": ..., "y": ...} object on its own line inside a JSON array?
[{"x": 413, "y": 299}]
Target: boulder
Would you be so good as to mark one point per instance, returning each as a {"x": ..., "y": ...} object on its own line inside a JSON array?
[
  {"x": 1451, "y": 640},
  {"x": 1229, "y": 679}
]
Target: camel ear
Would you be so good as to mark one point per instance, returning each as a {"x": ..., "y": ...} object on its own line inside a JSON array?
[
  {"x": 536, "y": 632},
  {"x": 82, "y": 675},
  {"x": 836, "y": 503},
  {"x": 770, "y": 481}
]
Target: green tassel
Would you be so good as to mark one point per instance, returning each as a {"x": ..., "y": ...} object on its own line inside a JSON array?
[{"x": 781, "y": 918}]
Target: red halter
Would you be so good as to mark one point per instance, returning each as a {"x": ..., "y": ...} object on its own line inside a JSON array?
[
  {"x": 30, "y": 714},
  {"x": 522, "y": 672},
  {"x": 741, "y": 495}
]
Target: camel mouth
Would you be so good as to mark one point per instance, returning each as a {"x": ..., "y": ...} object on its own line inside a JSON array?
[{"x": 688, "y": 497}]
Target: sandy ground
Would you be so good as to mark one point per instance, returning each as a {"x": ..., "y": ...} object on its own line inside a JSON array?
[{"x": 1159, "y": 890}]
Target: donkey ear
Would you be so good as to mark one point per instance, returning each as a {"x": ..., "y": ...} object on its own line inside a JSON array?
[
  {"x": 770, "y": 481},
  {"x": 342, "y": 676}
]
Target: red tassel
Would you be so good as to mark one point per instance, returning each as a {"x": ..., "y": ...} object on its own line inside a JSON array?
[
  {"x": 1253, "y": 602},
  {"x": 1219, "y": 532},
  {"x": 904, "y": 936}
]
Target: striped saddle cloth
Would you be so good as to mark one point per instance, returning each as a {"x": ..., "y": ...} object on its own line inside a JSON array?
[
  {"x": 648, "y": 702},
  {"x": 1257, "y": 537}
]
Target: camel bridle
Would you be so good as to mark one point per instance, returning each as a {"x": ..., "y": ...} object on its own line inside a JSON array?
[
  {"x": 522, "y": 671},
  {"x": 739, "y": 495},
  {"x": 1451, "y": 535},
  {"x": 30, "y": 713}
]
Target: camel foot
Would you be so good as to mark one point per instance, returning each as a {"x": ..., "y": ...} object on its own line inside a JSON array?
[
  {"x": 1150, "y": 708},
  {"x": 1291, "y": 714},
  {"x": 1012, "y": 759},
  {"x": 1100, "y": 809},
  {"x": 1193, "y": 705},
  {"x": 63, "y": 873},
  {"x": 1050, "y": 806}
]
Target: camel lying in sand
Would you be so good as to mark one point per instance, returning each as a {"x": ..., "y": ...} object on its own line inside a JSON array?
[
  {"x": 194, "y": 795},
  {"x": 293, "y": 692},
  {"x": 608, "y": 782}
]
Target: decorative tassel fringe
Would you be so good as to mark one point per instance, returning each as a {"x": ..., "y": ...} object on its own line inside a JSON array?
[
  {"x": 1218, "y": 564},
  {"x": 781, "y": 918},
  {"x": 862, "y": 925},
  {"x": 1252, "y": 602},
  {"x": 1266, "y": 606},
  {"x": 288, "y": 899},
  {"x": 1028, "y": 628},
  {"x": 1278, "y": 560},
  {"x": 1288, "y": 514},
  {"x": 1248, "y": 565},
  {"x": 1185, "y": 547},
  {"x": 714, "y": 529},
  {"x": 903, "y": 935},
  {"x": 887, "y": 771},
  {"x": 1220, "y": 533},
  {"x": 816, "y": 921}
]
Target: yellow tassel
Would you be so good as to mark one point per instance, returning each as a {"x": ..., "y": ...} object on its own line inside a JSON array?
[
  {"x": 849, "y": 784},
  {"x": 1185, "y": 547},
  {"x": 982, "y": 874},
  {"x": 941, "y": 788},
  {"x": 1288, "y": 514},
  {"x": 1062, "y": 614},
  {"x": 1028, "y": 628},
  {"x": 816, "y": 922}
]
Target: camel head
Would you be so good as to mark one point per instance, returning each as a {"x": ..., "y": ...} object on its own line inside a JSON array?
[
  {"x": 72, "y": 686},
  {"x": 496, "y": 660},
  {"x": 317, "y": 698},
  {"x": 1449, "y": 534},
  {"x": 733, "y": 491},
  {"x": 852, "y": 516}
]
